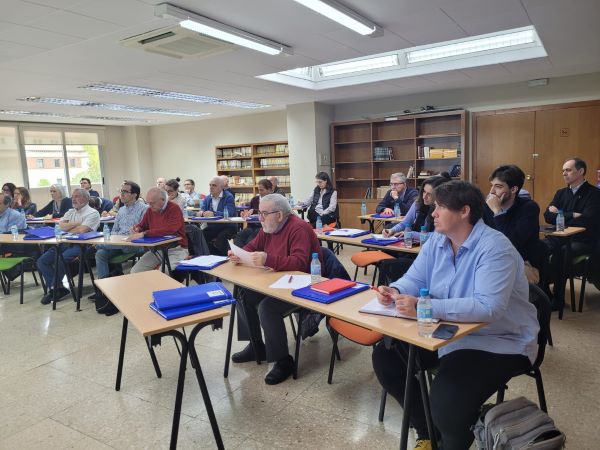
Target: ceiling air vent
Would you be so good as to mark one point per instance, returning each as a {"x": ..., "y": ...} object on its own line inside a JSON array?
[{"x": 177, "y": 42}]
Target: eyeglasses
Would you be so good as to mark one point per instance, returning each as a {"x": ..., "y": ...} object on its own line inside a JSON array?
[
  {"x": 213, "y": 185},
  {"x": 170, "y": 191},
  {"x": 396, "y": 184},
  {"x": 123, "y": 191},
  {"x": 264, "y": 214}
]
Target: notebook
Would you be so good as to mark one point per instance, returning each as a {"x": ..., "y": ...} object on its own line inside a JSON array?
[
  {"x": 348, "y": 232},
  {"x": 332, "y": 286},
  {"x": 153, "y": 239},
  {"x": 310, "y": 294},
  {"x": 374, "y": 307},
  {"x": 84, "y": 236},
  {"x": 190, "y": 295},
  {"x": 205, "y": 262}
]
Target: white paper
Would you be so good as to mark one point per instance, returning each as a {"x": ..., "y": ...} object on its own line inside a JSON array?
[
  {"x": 245, "y": 257},
  {"x": 381, "y": 237},
  {"x": 345, "y": 232},
  {"x": 236, "y": 219},
  {"x": 204, "y": 261},
  {"x": 374, "y": 307},
  {"x": 296, "y": 282}
]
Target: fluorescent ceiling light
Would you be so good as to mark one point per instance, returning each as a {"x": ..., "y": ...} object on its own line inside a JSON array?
[
  {"x": 483, "y": 50},
  {"x": 359, "y": 65},
  {"x": 343, "y": 15},
  {"x": 112, "y": 106},
  {"x": 218, "y": 30},
  {"x": 68, "y": 116},
  {"x": 472, "y": 45},
  {"x": 148, "y": 92}
]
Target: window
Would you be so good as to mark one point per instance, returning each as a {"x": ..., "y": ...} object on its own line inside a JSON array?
[
  {"x": 72, "y": 162},
  {"x": 39, "y": 163},
  {"x": 57, "y": 163},
  {"x": 10, "y": 160}
]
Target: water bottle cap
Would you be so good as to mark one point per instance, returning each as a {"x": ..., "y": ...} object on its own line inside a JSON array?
[
  {"x": 315, "y": 255},
  {"x": 423, "y": 292}
]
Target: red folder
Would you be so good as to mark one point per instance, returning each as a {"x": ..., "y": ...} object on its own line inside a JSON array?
[{"x": 332, "y": 286}]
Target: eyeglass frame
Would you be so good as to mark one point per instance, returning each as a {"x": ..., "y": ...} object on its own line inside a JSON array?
[{"x": 263, "y": 214}]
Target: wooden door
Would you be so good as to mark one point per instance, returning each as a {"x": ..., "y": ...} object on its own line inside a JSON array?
[
  {"x": 561, "y": 134},
  {"x": 506, "y": 138}
]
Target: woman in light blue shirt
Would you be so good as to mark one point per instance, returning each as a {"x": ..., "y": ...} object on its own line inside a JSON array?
[{"x": 474, "y": 274}]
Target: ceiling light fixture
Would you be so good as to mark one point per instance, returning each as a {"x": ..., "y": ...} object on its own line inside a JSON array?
[
  {"x": 112, "y": 106},
  {"x": 344, "y": 16},
  {"x": 218, "y": 30},
  {"x": 68, "y": 116},
  {"x": 358, "y": 65},
  {"x": 148, "y": 92}
]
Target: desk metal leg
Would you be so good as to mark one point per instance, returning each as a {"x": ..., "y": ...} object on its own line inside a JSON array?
[
  {"x": 153, "y": 358},
  {"x": 427, "y": 409},
  {"x": 410, "y": 375},
  {"x": 55, "y": 286},
  {"x": 229, "y": 339},
  {"x": 166, "y": 261},
  {"x": 205, "y": 396},
  {"x": 80, "y": 276},
  {"x": 121, "y": 354}
]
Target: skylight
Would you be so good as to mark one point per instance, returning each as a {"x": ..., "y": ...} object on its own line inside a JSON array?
[{"x": 493, "y": 48}]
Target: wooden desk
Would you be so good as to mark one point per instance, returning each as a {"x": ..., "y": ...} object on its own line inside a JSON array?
[
  {"x": 347, "y": 309},
  {"x": 132, "y": 294},
  {"x": 380, "y": 221},
  {"x": 356, "y": 241}
]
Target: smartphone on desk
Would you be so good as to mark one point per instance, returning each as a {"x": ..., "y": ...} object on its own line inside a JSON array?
[{"x": 445, "y": 331}]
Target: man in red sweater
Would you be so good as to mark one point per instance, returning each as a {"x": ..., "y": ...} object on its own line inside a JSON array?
[
  {"x": 161, "y": 219},
  {"x": 285, "y": 243}
]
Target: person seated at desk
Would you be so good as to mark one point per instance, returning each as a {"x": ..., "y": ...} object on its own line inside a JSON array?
[
  {"x": 9, "y": 216},
  {"x": 265, "y": 187},
  {"x": 514, "y": 216},
  {"x": 162, "y": 218},
  {"x": 102, "y": 205},
  {"x": 192, "y": 197},
  {"x": 58, "y": 206},
  {"x": 322, "y": 202},
  {"x": 22, "y": 202},
  {"x": 9, "y": 189},
  {"x": 86, "y": 184},
  {"x": 80, "y": 219},
  {"x": 217, "y": 235},
  {"x": 160, "y": 182},
  {"x": 474, "y": 274},
  {"x": 130, "y": 214},
  {"x": 285, "y": 243},
  {"x": 580, "y": 204},
  {"x": 172, "y": 188},
  {"x": 399, "y": 195},
  {"x": 275, "y": 182}
]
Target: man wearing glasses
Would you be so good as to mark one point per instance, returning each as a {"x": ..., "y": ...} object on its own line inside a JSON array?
[
  {"x": 399, "y": 194},
  {"x": 285, "y": 243},
  {"x": 130, "y": 213}
]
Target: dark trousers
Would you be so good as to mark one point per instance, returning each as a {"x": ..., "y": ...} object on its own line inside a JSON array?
[
  {"x": 391, "y": 270},
  {"x": 558, "y": 251},
  {"x": 464, "y": 381},
  {"x": 256, "y": 310},
  {"x": 217, "y": 235},
  {"x": 326, "y": 219}
]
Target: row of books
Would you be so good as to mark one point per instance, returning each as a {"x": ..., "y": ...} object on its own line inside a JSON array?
[
  {"x": 382, "y": 153},
  {"x": 235, "y": 164},
  {"x": 234, "y": 151},
  {"x": 243, "y": 197},
  {"x": 268, "y": 149},
  {"x": 236, "y": 180},
  {"x": 283, "y": 180},
  {"x": 274, "y": 162},
  {"x": 424, "y": 152}
]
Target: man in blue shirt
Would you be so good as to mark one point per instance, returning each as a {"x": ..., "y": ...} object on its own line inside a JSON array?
[
  {"x": 399, "y": 194},
  {"x": 9, "y": 216},
  {"x": 474, "y": 274},
  {"x": 220, "y": 199}
]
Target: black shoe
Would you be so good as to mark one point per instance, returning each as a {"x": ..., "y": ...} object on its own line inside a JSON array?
[
  {"x": 110, "y": 310},
  {"x": 281, "y": 371},
  {"x": 93, "y": 297},
  {"x": 247, "y": 354},
  {"x": 61, "y": 293},
  {"x": 47, "y": 299}
]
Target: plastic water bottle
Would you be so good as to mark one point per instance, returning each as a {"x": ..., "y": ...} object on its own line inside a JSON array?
[
  {"x": 292, "y": 201},
  {"x": 424, "y": 313},
  {"x": 225, "y": 213},
  {"x": 57, "y": 232},
  {"x": 560, "y": 221},
  {"x": 396, "y": 210},
  {"x": 315, "y": 269},
  {"x": 106, "y": 233},
  {"x": 319, "y": 225},
  {"x": 408, "y": 243},
  {"x": 423, "y": 235},
  {"x": 363, "y": 209},
  {"x": 15, "y": 232}
]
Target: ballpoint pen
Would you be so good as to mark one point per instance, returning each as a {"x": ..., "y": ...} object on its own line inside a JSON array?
[{"x": 290, "y": 278}]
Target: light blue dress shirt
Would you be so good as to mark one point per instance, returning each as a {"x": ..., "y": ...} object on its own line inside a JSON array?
[
  {"x": 128, "y": 216},
  {"x": 12, "y": 217},
  {"x": 408, "y": 220},
  {"x": 485, "y": 282}
]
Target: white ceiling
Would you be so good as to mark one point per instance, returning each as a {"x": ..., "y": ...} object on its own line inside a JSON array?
[{"x": 49, "y": 48}]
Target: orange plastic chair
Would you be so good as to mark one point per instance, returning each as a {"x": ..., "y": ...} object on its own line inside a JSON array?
[{"x": 367, "y": 258}]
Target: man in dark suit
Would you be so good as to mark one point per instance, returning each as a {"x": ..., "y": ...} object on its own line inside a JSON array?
[
  {"x": 399, "y": 194},
  {"x": 580, "y": 204}
]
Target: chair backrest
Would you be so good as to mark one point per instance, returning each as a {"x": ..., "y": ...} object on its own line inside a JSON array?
[
  {"x": 197, "y": 245},
  {"x": 332, "y": 268},
  {"x": 544, "y": 311}
]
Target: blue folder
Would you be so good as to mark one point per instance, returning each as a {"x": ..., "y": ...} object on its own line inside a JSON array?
[
  {"x": 40, "y": 233},
  {"x": 381, "y": 216},
  {"x": 357, "y": 234},
  {"x": 309, "y": 294},
  {"x": 153, "y": 239},
  {"x": 380, "y": 241},
  {"x": 206, "y": 218},
  {"x": 183, "y": 266},
  {"x": 33, "y": 237},
  {"x": 84, "y": 236},
  {"x": 182, "y": 311},
  {"x": 199, "y": 293}
]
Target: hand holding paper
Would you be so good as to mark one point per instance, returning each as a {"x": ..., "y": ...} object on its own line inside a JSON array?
[{"x": 247, "y": 258}]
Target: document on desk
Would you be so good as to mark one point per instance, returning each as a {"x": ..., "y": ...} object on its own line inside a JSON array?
[
  {"x": 374, "y": 307},
  {"x": 291, "y": 282},
  {"x": 245, "y": 256},
  {"x": 204, "y": 261}
]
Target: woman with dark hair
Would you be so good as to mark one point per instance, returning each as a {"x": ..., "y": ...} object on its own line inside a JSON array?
[
  {"x": 420, "y": 211},
  {"x": 323, "y": 201},
  {"x": 172, "y": 188},
  {"x": 9, "y": 189},
  {"x": 22, "y": 202},
  {"x": 58, "y": 206}
]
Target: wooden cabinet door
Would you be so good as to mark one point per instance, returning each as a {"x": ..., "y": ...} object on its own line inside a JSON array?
[{"x": 506, "y": 138}]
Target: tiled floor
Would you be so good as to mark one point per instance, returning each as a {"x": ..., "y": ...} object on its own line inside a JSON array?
[{"x": 57, "y": 372}]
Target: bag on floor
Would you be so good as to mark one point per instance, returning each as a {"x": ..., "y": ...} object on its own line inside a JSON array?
[{"x": 516, "y": 424}]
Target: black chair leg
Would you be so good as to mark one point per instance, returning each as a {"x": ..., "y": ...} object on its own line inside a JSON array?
[
  {"x": 382, "y": 404},
  {"x": 22, "y": 282},
  {"x": 334, "y": 340},
  {"x": 572, "y": 288},
  {"x": 229, "y": 339},
  {"x": 540, "y": 388},
  {"x": 550, "y": 343},
  {"x": 582, "y": 293},
  {"x": 34, "y": 277},
  {"x": 297, "y": 351},
  {"x": 355, "y": 273},
  {"x": 374, "y": 275},
  {"x": 292, "y": 324}
]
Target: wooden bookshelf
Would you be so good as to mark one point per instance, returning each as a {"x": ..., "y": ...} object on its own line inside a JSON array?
[
  {"x": 246, "y": 164},
  {"x": 359, "y": 150}
]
